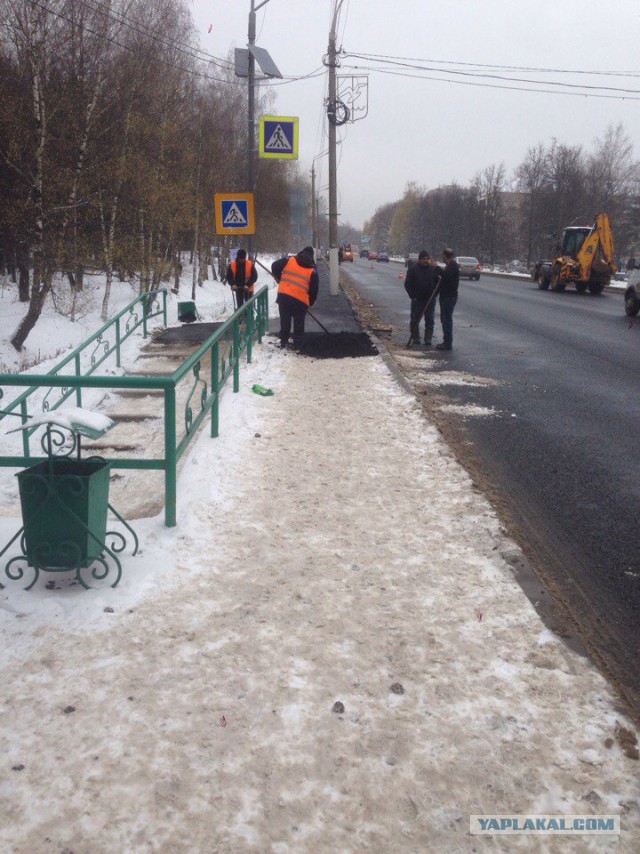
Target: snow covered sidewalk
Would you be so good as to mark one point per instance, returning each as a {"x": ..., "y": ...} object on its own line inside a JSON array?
[{"x": 330, "y": 654}]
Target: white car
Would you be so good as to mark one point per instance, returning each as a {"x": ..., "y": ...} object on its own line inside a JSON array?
[
  {"x": 470, "y": 267},
  {"x": 632, "y": 293}
]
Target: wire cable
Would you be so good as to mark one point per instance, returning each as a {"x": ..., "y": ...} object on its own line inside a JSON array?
[
  {"x": 143, "y": 29},
  {"x": 492, "y": 85},
  {"x": 486, "y": 75},
  {"x": 378, "y": 56},
  {"x": 133, "y": 49},
  {"x": 184, "y": 68}
]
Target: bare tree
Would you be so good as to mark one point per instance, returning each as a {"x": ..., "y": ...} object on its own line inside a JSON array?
[
  {"x": 531, "y": 177},
  {"x": 35, "y": 37}
]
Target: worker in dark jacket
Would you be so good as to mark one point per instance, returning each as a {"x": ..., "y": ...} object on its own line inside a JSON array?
[
  {"x": 298, "y": 284},
  {"x": 241, "y": 275},
  {"x": 421, "y": 283},
  {"x": 449, "y": 281}
]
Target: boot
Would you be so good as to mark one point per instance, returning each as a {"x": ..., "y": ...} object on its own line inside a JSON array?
[{"x": 413, "y": 339}]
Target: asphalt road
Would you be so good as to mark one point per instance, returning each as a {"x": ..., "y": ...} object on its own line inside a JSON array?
[{"x": 563, "y": 450}]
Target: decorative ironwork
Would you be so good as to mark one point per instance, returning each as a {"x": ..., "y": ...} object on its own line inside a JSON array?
[
  {"x": 132, "y": 321},
  {"x": 54, "y": 439},
  {"x": 353, "y": 92},
  {"x": 102, "y": 345},
  {"x": 46, "y": 555},
  {"x": 64, "y": 391},
  {"x": 228, "y": 344},
  {"x": 188, "y": 412},
  {"x": 65, "y": 510}
]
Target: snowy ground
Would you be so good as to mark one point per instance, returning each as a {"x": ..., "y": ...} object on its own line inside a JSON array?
[{"x": 329, "y": 551}]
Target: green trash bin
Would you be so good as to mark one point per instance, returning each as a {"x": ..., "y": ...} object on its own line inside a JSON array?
[
  {"x": 64, "y": 512},
  {"x": 187, "y": 311}
]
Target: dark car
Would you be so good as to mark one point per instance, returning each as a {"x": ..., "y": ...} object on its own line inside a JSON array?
[
  {"x": 364, "y": 253},
  {"x": 383, "y": 256}
]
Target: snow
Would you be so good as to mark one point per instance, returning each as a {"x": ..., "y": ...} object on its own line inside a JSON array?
[
  {"x": 74, "y": 418},
  {"x": 328, "y": 547}
]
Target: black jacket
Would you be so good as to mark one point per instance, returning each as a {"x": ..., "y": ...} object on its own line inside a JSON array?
[
  {"x": 305, "y": 261},
  {"x": 239, "y": 279},
  {"x": 449, "y": 280},
  {"x": 421, "y": 280}
]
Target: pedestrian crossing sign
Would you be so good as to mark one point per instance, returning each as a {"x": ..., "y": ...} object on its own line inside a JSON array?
[
  {"x": 278, "y": 137},
  {"x": 234, "y": 213}
]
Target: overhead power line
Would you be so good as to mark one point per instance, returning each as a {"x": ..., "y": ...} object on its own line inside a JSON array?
[
  {"x": 488, "y": 76},
  {"x": 458, "y": 82},
  {"x": 185, "y": 68},
  {"x": 182, "y": 47},
  {"x": 380, "y": 56},
  {"x": 149, "y": 32}
]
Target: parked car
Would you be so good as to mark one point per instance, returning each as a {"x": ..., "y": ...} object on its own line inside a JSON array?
[
  {"x": 373, "y": 256},
  {"x": 411, "y": 258},
  {"x": 364, "y": 253},
  {"x": 383, "y": 256},
  {"x": 469, "y": 266},
  {"x": 632, "y": 293}
]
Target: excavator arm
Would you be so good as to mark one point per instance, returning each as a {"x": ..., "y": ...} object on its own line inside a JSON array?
[{"x": 595, "y": 256}]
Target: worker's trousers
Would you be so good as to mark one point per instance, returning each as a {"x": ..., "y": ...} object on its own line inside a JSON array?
[
  {"x": 291, "y": 309},
  {"x": 417, "y": 308},
  {"x": 447, "y": 304}
]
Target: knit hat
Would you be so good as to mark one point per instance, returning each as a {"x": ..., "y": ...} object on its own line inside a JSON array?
[
  {"x": 308, "y": 250},
  {"x": 241, "y": 254},
  {"x": 423, "y": 254}
]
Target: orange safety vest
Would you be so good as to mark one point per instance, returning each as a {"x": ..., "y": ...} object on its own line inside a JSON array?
[
  {"x": 248, "y": 267},
  {"x": 295, "y": 281}
]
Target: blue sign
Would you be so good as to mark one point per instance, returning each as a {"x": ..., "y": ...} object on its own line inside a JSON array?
[
  {"x": 234, "y": 213},
  {"x": 278, "y": 137}
]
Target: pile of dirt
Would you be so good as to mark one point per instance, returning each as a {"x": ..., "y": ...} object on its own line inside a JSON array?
[{"x": 337, "y": 345}]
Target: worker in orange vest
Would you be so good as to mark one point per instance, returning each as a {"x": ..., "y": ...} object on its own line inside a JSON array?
[
  {"x": 241, "y": 275},
  {"x": 298, "y": 284}
]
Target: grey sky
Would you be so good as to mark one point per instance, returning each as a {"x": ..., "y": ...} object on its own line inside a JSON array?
[{"x": 435, "y": 132}]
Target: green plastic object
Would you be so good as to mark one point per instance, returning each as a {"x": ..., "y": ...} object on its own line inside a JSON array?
[
  {"x": 187, "y": 311},
  {"x": 64, "y": 511},
  {"x": 260, "y": 389}
]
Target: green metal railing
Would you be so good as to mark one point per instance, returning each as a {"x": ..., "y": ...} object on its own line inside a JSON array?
[
  {"x": 87, "y": 358},
  {"x": 224, "y": 347}
]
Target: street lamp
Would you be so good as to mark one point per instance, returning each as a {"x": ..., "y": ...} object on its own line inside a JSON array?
[
  {"x": 269, "y": 68},
  {"x": 252, "y": 95}
]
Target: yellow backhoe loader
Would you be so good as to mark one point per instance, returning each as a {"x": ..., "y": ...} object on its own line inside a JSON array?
[{"x": 585, "y": 259}]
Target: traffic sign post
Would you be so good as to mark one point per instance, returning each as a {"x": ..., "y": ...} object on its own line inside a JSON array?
[
  {"x": 234, "y": 213},
  {"x": 278, "y": 138}
]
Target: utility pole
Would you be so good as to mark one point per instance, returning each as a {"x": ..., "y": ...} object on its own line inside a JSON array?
[
  {"x": 333, "y": 190},
  {"x": 315, "y": 219},
  {"x": 251, "y": 109},
  {"x": 314, "y": 226},
  {"x": 271, "y": 71}
]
